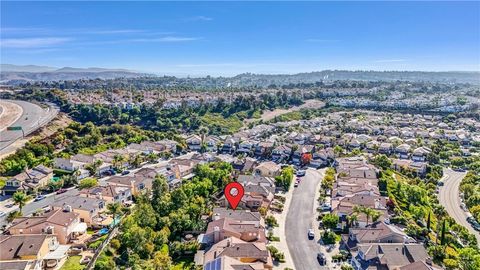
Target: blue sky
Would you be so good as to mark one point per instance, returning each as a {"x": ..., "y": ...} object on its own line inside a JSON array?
[{"x": 227, "y": 38}]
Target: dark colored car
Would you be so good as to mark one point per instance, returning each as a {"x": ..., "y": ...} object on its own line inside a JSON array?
[
  {"x": 62, "y": 190},
  {"x": 125, "y": 172},
  {"x": 322, "y": 260},
  {"x": 470, "y": 220},
  {"x": 476, "y": 225}
]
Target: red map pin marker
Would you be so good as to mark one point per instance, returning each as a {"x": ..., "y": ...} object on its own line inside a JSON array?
[{"x": 234, "y": 193}]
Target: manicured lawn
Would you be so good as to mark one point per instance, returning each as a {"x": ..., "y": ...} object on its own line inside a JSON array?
[{"x": 73, "y": 263}]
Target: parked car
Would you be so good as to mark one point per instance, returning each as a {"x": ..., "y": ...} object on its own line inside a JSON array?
[
  {"x": 470, "y": 219},
  {"x": 62, "y": 190},
  {"x": 39, "y": 198},
  {"x": 301, "y": 173},
  {"x": 476, "y": 225},
  {"x": 326, "y": 207},
  {"x": 2, "y": 214},
  {"x": 295, "y": 184},
  {"x": 125, "y": 172},
  {"x": 10, "y": 205},
  {"x": 463, "y": 206},
  {"x": 322, "y": 260},
  {"x": 310, "y": 234}
]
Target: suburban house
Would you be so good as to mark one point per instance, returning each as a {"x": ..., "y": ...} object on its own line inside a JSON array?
[
  {"x": 268, "y": 169},
  {"x": 211, "y": 143},
  {"x": 419, "y": 168},
  {"x": 222, "y": 228},
  {"x": 259, "y": 191},
  {"x": 388, "y": 255},
  {"x": 385, "y": 148},
  {"x": 250, "y": 254},
  {"x": 108, "y": 193},
  {"x": 377, "y": 232},
  {"x": 303, "y": 154},
  {"x": 137, "y": 184},
  {"x": 29, "y": 180},
  {"x": 63, "y": 224},
  {"x": 263, "y": 149},
  {"x": 244, "y": 165},
  {"x": 403, "y": 151},
  {"x": 194, "y": 142},
  {"x": 281, "y": 152},
  {"x": 86, "y": 208},
  {"x": 37, "y": 250},
  {"x": 420, "y": 154}
]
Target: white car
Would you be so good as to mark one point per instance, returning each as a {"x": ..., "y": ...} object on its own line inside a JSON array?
[
  {"x": 310, "y": 234},
  {"x": 2, "y": 214},
  {"x": 301, "y": 173}
]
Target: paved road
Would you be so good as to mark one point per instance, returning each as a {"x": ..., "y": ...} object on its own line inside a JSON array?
[
  {"x": 32, "y": 207},
  {"x": 449, "y": 197},
  {"x": 300, "y": 218},
  {"x": 32, "y": 118}
]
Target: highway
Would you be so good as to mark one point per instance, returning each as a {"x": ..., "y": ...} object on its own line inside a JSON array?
[
  {"x": 449, "y": 197},
  {"x": 33, "y": 117},
  {"x": 300, "y": 218}
]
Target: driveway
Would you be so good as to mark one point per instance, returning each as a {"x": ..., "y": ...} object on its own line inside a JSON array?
[
  {"x": 449, "y": 197},
  {"x": 300, "y": 218}
]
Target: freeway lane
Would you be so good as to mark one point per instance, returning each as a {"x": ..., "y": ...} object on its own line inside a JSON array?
[
  {"x": 449, "y": 197},
  {"x": 300, "y": 218},
  {"x": 33, "y": 117}
]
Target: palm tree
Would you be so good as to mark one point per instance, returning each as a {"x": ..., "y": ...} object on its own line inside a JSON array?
[
  {"x": 114, "y": 209},
  {"x": 20, "y": 199},
  {"x": 117, "y": 160},
  {"x": 351, "y": 220},
  {"x": 375, "y": 215}
]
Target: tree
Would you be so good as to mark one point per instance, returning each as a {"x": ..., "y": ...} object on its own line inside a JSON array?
[
  {"x": 20, "y": 199},
  {"x": 13, "y": 215},
  {"x": 114, "y": 209},
  {"x": 352, "y": 220},
  {"x": 442, "y": 235},
  {"x": 271, "y": 221},
  {"x": 383, "y": 162},
  {"x": 162, "y": 261},
  {"x": 88, "y": 183},
  {"x": 330, "y": 221},
  {"x": 469, "y": 259},
  {"x": 428, "y": 221},
  {"x": 70, "y": 179}
]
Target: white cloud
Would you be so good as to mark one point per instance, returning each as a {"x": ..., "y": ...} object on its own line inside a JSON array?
[
  {"x": 200, "y": 18},
  {"x": 319, "y": 40},
  {"x": 39, "y": 42},
  {"x": 390, "y": 60},
  {"x": 165, "y": 39},
  {"x": 116, "y": 31}
]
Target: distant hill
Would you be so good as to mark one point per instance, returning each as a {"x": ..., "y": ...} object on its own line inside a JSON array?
[
  {"x": 262, "y": 80},
  {"x": 27, "y": 68},
  {"x": 14, "y": 74}
]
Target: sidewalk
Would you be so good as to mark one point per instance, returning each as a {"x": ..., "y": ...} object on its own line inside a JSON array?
[
  {"x": 319, "y": 232},
  {"x": 280, "y": 231}
]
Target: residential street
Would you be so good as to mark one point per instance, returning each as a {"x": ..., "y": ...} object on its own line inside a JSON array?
[
  {"x": 31, "y": 207},
  {"x": 300, "y": 218},
  {"x": 449, "y": 197}
]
